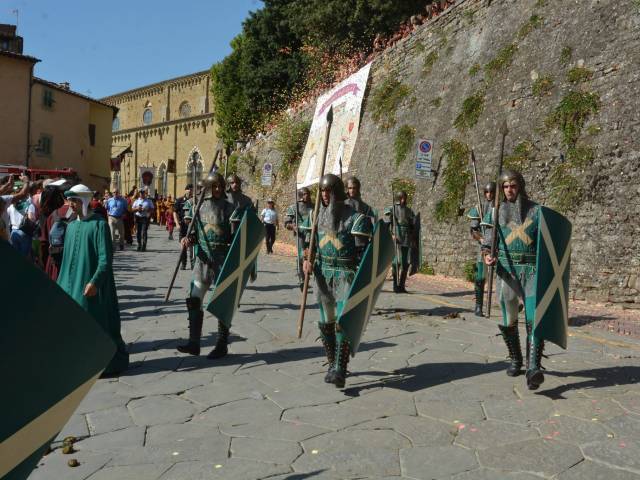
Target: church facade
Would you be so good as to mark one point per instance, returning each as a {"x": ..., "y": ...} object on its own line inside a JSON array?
[{"x": 166, "y": 129}]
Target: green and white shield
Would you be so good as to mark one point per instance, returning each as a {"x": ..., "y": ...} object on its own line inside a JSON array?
[
  {"x": 52, "y": 351},
  {"x": 237, "y": 268},
  {"x": 366, "y": 286},
  {"x": 552, "y": 278}
]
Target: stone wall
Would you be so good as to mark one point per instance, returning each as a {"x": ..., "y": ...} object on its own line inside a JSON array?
[{"x": 533, "y": 63}]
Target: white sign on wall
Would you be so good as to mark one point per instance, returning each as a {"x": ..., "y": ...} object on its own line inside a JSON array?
[
  {"x": 424, "y": 155},
  {"x": 267, "y": 175}
]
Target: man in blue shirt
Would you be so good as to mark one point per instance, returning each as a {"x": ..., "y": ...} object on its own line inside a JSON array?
[
  {"x": 116, "y": 208},
  {"x": 142, "y": 208}
]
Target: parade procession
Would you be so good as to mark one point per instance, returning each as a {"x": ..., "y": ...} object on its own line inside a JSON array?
[{"x": 361, "y": 240}]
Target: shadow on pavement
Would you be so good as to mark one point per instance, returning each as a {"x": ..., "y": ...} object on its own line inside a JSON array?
[
  {"x": 595, "y": 378},
  {"x": 301, "y": 476},
  {"x": 273, "y": 306},
  {"x": 455, "y": 294},
  {"x": 191, "y": 363},
  {"x": 580, "y": 320},
  {"x": 271, "y": 288},
  {"x": 419, "y": 377},
  {"x": 428, "y": 312}
]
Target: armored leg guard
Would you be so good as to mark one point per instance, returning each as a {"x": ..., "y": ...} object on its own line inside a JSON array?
[
  {"x": 534, "y": 374},
  {"x": 479, "y": 291},
  {"x": 512, "y": 340},
  {"x": 328, "y": 336},
  {"x": 220, "y": 349},
  {"x": 343, "y": 349},
  {"x": 196, "y": 316}
]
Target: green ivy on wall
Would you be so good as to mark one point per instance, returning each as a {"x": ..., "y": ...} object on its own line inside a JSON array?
[
  {"x": 403, "y": 142},
  {"x": 456, "y": 176}
]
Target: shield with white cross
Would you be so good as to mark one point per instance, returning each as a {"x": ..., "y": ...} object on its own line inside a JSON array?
[
  {"x": 52, "y": 351},
  {"x": 237, "y": 268},
  {"x": 551, "y": 320},
  {"x": 374, "y": 266}
]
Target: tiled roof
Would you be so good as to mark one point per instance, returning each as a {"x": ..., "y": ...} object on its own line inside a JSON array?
[
  {"x": 71, "y": 92},
  {"x": 19, "y": 56}
]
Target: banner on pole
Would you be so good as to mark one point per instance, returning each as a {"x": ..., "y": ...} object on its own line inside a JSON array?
[
  {"x": 346, "y": 99},
  {"x": 147, "y": 176}
]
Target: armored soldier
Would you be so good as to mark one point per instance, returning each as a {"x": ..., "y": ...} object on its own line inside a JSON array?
[
  {"x": 343, "y": 234},
  {"x": 529, "y": 236},
  {"x": 478, "y": 233},
  {"x": 296, "y": 216},
  {"x": 403, "y": 219},
  {"x": 212, "y": 237},
  {"x": 181, "y": 206},
  {"x": 355, "y": 199},
  {"x": 241, "y": 203}
]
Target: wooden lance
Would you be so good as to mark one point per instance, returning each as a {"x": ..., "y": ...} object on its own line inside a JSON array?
[
  {"x": 496, "y": 210},
  {"x": 314, "y": 228}
]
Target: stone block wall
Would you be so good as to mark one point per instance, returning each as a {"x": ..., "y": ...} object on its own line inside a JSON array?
[{"x": 525, "y": 60}]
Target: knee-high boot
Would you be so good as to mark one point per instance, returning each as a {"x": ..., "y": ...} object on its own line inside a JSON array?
[
  {"x": 512, "y": 340},
  {"x": 403, "y": 279},
  {"x": 328, "y": 336},
  {"x": 534, "y": 374},
  {"x": 220, "y": 349},
  {"x": 343, "y": 350},
  {"x": 196, "y": 316}
]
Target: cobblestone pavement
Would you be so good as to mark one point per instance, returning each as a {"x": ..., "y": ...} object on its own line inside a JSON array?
[{"x": 427, "y": 397}]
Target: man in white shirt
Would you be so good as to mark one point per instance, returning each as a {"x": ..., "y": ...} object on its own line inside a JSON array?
[
  {"x": 269, "y": 217},
  {"x": 13, "y": 208},
  {"x": 142, "y": 208}
]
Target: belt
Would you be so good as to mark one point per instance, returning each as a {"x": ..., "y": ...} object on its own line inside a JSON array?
[
  {"x": 337, "y": 262},
  {"x": 519, "y": 258},
  {"x": 113, "y": 216}
]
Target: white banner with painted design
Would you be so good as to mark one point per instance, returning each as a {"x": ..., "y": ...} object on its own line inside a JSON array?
[
  {"x": 346, "y": 99},
  {"x": 147, "y": 176}
]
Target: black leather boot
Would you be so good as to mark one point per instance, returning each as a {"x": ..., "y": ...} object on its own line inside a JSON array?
[
  {"x": 534, "y": 374},
  {"x": 196, "y": 316},
  {"x": 512, "y": 340},
  {"x": 328, "y": 337},
  {"x": 343, "y": 349},
  {"x": 220, "y": 349}
]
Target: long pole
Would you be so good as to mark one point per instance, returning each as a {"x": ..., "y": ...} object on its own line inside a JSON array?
[
  {"x": 190, "y": 230},
  {"x": 297, "y": 232},
  {"x": 475, "y": 180},
  {"x": 314, "y": 228},
  {"x": 394, "y": 229},
  {"x": 496, "y": 210}
]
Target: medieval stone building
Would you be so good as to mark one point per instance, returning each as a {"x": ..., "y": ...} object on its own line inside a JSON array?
[{"x": 167, "y": 127}]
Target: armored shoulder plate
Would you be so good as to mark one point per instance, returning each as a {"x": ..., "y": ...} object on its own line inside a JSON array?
[
  {"x": 473, "y": 213},
  {"x": 361, "y": 225}
]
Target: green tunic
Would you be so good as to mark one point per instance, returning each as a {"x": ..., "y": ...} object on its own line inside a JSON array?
[{"x": 87, "y": 258}]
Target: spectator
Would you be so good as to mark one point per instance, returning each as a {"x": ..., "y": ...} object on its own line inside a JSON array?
[
  {"x": 23, "y": 220},
  {"x": 116, "y": 209},
  {"x": 7, "y": 198},
  {"x": 96, "y": 206},
  {"x": 269, "y": 217},
  {"x": 86, "y": 273},
  {"x": 143, "y": 210}
]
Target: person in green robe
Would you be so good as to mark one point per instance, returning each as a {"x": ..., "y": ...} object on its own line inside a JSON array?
[{"x": 86, "y": 273}]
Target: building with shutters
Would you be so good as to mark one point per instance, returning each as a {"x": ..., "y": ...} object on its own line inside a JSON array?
[
  {"x": 47, "y": 125},
  {"x": 167, "y": 128}
]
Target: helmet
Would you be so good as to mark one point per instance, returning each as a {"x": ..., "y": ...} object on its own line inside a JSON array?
[
  {"x": 514, "y": 175},
  {"x": 333, "y": 183},
  {"x": 490, "y": 187},
  {"x": 213, "y": 179},
  {"x": 302, "y": 191},
  {"x": 400, "y": 194},
  {"x": 353, "y": 180}
]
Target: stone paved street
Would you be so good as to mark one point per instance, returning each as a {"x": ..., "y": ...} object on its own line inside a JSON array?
[{"x": 427, "y": 397}]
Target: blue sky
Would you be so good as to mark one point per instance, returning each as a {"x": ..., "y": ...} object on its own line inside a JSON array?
[{"x": 105, "y": 47}]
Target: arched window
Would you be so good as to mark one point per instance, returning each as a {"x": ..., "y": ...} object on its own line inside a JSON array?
[
  {"x": 147, "y": 116},
  {"x": 115, "y": 126},
  {"x": 185, "y": 109}
]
